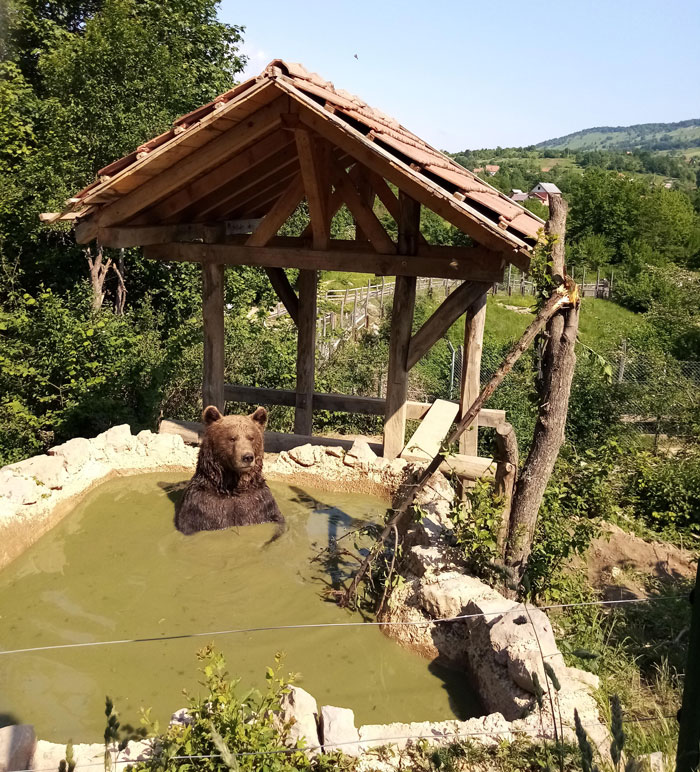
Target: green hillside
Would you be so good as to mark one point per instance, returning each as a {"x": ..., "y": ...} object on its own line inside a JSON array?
[{"x": 683, "y": 135}]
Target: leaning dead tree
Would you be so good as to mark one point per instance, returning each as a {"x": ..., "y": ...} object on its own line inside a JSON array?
[
  {"x": 99, "y": 268},
  {"x": 554, "y": 388}
]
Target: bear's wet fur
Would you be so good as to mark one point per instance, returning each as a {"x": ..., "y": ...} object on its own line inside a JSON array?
[{"x": 228, "y": 487}]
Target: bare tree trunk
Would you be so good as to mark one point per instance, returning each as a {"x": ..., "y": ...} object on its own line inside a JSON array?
[
  {"x": 120, "y": 300},
  {"x": 558, "y": 363},
  {"x": 98, "y": 273}
]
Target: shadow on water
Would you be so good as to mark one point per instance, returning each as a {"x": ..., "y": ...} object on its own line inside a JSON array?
[
  {"x": 333, "y": 559},
  {"x": 461, "y": 694},
  {"x": 7, "y": 719},
  {"x": 174, "y": 491}
]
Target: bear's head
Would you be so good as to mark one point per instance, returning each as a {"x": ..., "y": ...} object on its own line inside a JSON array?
[{"x": 234, "y": 442}]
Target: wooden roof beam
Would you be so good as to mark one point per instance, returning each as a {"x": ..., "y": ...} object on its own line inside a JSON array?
[
  {"x": 444, "y": 316},
  {"x": 278, "y": 215},
  {"x": 250, "y": 200},
  {"x": 482, "y": 264},
  {"x": 363, "y": 214},
  {"x": 313, "y": 160},
  {"x": 280, "y": 283}
]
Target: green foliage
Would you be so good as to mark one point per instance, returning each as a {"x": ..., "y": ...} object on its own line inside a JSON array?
[
  {"x": 229, "y": 725},
  {"x": 665, "y": 490},
  {"x": 476, "y": 522}
]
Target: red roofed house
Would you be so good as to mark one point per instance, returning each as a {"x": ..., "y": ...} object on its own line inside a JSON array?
[{"x": 543, "y": 190}]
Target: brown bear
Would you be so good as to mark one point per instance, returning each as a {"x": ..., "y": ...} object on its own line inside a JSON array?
[{"x": 228, "y": 487}]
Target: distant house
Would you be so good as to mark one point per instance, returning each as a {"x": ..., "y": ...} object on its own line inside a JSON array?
[
  {"x": 490, "y": 169},
  {"x": 517, "y": 195},
  {"x": 543, "y": 190}
]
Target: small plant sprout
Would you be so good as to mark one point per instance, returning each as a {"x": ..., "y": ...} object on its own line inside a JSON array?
[
  {"x": 584, "y": 746},
  {"x": 67, "y": 764},
  {"x": 618, "y": 741}
]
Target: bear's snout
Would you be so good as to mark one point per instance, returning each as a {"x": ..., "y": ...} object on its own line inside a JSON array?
[{"x": 247, "y": 458}]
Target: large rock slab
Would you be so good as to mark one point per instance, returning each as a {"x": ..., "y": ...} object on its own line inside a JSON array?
[
  {"x": 450, "y": 595},
  {"x": 19, "y": 490},
  {"x": 299, "y": 709},
  {"x": 17, "y": 744},
  {"x": 45, "y": 470},
  {"x": 338, "y": 731},
  {"x": 75, "y": 454}
]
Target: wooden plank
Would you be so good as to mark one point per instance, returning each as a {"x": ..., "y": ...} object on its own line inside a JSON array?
[
  {"x": 345, "y": 403},
  {"x": 463, "y": 216},
  {"x": 444, "y": 316},
  {"x": 206, "y": 192},
  {"x": 314, "y": 172},
  {"x": 257, "y": 202},
  {"x": 213, "y": 316},
  {"x": 362, "y": 213},
  {"x": 400, "y": 335},
  {"x": 469, "y": 467},
  {"x": 471, "y": 371},
  {"x": 306, "y": 351},
  {"x": 278, "y": 215},
  {"x": 280, "y": 283},
  {"x": 433, "y": 429},
  {"x": 434, "y": 263},
  {"x": 275, "y": 442},
  {"x": 193, "y": 165}
]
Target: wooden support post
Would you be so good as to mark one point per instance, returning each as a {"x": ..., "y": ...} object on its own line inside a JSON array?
[
  {"x": 510, "y": 268},
  {"x": 306, "y": 351},
  {"x": 400, "y": 336},
  {"x": 506, "y": 475},
  {"x": 213, "y": 317},
  {"x": 381, "y": 301},
  {"x": 474, "y": 322}
]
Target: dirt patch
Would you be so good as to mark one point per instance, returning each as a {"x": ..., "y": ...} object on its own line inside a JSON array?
[
  {"x": 517, "y": 309},
  {"x": 619, "y": 562}
]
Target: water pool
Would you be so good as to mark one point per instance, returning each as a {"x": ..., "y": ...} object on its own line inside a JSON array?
[{"x": 115, "y": 568}]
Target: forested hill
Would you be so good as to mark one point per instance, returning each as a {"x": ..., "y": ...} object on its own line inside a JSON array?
[{"x": 644, "y": 136}]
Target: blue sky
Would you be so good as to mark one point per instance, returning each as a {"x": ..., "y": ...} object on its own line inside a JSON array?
[{"x": 479, "y": 74}]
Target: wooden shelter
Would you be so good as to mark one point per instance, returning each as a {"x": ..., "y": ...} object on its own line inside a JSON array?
[{"x": 217, "y": 187}]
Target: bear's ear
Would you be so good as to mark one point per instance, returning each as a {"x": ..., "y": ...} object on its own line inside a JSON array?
[
  {"x": 259, "y": 416},
  {"x": 211, "y": 414}
]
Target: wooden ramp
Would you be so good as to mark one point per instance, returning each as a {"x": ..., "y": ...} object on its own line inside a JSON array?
[
  {"x": 433, "y": 429},
  {"x": 428, "y": 439}
]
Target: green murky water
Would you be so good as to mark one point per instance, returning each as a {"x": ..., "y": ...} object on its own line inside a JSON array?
[{"x": 116, "y": 568}]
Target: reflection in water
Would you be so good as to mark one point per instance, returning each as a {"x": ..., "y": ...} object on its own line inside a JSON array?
[{"x": 116, "y": 568}]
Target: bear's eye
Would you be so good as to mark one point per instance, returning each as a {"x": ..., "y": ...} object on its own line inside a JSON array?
[
  {"x": 249, "y": 438},
  {"x": 235, "y": 439}
]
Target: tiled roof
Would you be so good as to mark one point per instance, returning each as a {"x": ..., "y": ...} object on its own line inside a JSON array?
[{"x": 466, "y": 193}]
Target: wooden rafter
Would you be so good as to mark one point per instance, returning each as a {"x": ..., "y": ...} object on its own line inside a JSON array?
[
  {"x": 245, "y": 185},
  {"x": 363, "y": 214},
  {"x": 257, "y": 199},
  {"x": 193, "y": 165},
  {"x": 210, "y": 185},
  {"x": 278, "y": 215},
  {"x": 313, "y": 160},
  {"x": 444, "y": 316}
]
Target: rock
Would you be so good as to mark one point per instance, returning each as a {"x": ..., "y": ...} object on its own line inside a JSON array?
[
  {"x": 361, "y": 451},
  {"x": 522, "y": 663},
  {"x": 523, "y": 629},
  {"x": 338, "y": 730},
  {"x": 49, "y": 755},
  {"x": 584, "y": 677},
  {"x": 17, "y": 745},
  {"x": 653, "y": 762},
  {"x": 335, "y": 451},
  {"x": 118, "y": 439},
  {"x": 493, "y": 609},
  {"x": 421, "y": 560},
  {"x": 299, "y": 709},
  {"x": 304, "y": 455},
  {"x": 45, "y": 470},
  {"x": 181, "y": 717},
  {"x": 75, "y": 454},
  {"x": 164, "y": 445},
  {"x": 450, "y": 595},
  {"x": 8, "y": 509},
  {"x": 19, "y": 490},
  {"x": 145, "y": 436}
]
